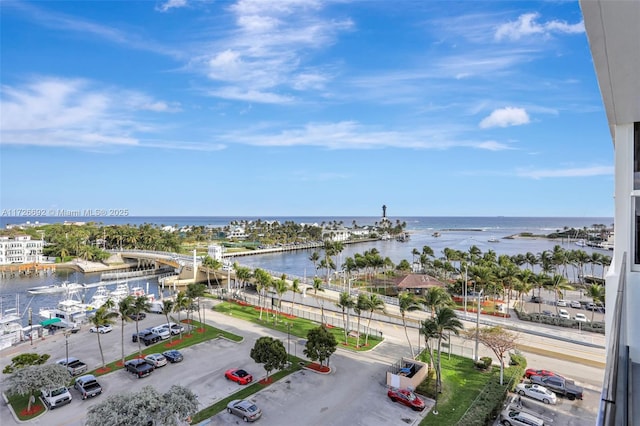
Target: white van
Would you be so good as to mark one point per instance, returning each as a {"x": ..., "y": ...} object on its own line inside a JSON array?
[{"x": 519, "y": 418}]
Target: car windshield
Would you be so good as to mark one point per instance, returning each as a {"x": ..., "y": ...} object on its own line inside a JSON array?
[
  {"x": 58, "y": 392},
  {"x": 411, "y": 395}
]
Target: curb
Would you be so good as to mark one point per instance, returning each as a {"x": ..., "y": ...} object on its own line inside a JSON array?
[
  {"x": 304, "y": 366},
  {"x": 563, "y": 356}
]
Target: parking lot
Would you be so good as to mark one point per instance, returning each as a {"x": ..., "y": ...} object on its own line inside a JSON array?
[{"x": 354, "y": 393}]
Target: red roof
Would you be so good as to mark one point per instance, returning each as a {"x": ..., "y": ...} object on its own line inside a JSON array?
[{"x": 418, "y": 281}]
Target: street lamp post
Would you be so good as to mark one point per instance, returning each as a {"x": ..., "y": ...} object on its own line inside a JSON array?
[
  {"x": 66, "y": 345},
  {"x": 465, "y": 290},
  {"x": 478, "y": 325}
]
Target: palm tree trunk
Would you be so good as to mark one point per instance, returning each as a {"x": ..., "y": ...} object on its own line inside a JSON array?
[
  {"x": 406, "y": 333},
  {"x": 366, "y": 337},
  {"x": 358, "y": 333},
  {"x": 100, "y": 346}
]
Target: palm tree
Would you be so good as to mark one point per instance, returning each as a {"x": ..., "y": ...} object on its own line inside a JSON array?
[
  {"x": 375, "y": 303},
  {"x": 558, "y": 283},
  {"x": 125, "y": 309},
  {"x": 407, "y": 302},
  {"x": 140, "y": 304},
  {"x": 194, "y": 292},
  {"x": 597, "y": 293},
  {"x": 180, "y": 304},
  {"x": 436, "y": 297},
  {"x": 295, "y": 289},
  {"x": 317, "y": 286},
  {"x": 103, "y": 316},
  {"x": 428, "y": 330},
  {"x": 361, "y": 304},
  {"x": 281, "y": 287},
  {"x": 167, "y": 308},
  {"x": 445, "y": 322},
  {"x": 345, "y": 303},
  {"x": 314, "y": 258},
  {"x": 263, "y": 282}
]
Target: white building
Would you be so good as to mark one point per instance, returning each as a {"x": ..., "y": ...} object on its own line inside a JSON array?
[
  {"x": 215, "y": 252},
  {"x": 613, "y": 30},
  {"x": 20, "y": 249}
]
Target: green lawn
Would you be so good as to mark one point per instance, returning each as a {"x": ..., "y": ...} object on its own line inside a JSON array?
[
  {"x": 19, "y": 403},
  {"x": 461, "y": 383},
  {"x": 298, "y": 327}
]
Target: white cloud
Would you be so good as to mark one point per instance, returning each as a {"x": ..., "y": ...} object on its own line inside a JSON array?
[
  {"x": 527, "y": 25},
  {"x": 353, "y": 135},
  {"x": 567, "y": 172},
  {"x": 240, "y": 94},
  {"x": 171, "y": 4},
  {"x": 74, "y": 113},
  {"x": 268, "y": 49},
  {"x": 505, "y": 117}
]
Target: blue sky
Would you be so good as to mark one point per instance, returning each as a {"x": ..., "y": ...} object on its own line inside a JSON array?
[{"x": 302, "y": 107}]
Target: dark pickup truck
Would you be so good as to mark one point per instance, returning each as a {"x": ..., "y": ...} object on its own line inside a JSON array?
[
  {"x": 74, "y": 366},
  {"x": 88, "y": 386},
  {"x": 146, "y": 336},
  {"x": 559, "y": 385}
]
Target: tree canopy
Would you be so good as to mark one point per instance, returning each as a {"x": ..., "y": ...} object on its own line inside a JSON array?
[
  {"x": 24, "y": 360},
  {"x": 270, "y": 352},
  {"x": 141, "y": 408},
  {"x": 321, "y": 344}
]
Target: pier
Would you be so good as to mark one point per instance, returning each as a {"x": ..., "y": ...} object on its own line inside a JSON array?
[{"x": 26, "y": 269}]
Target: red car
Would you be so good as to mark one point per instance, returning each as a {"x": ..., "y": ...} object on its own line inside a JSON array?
[
  {"x": 533, "y": 372},
  {"x": 406, "y": 397},
  {"x": 239, "y": 376}
]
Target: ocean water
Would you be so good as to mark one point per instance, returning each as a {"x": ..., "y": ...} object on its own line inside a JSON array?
[{"x": 459, "y": 233}]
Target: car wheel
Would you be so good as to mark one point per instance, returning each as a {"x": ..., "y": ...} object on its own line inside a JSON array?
[
  {"x": 226, "y": 377},
  {"x": 393, "y": 399},
  {"x": 546, "y": 401},
  {"x": 229, "y": 410},
  {"x": 506, "y": 423},
  {"x": 521, "y": 392},
  {"x": 245, "y": 419},
  {"x": 91, "y": 331},
  {"x": 571, "y": 397}
]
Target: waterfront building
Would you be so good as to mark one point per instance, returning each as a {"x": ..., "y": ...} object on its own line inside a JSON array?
[
  {"x": 613, "y": 32},
  {"x": 20, "y": 249},
  {"x": 215, "y": 251}
]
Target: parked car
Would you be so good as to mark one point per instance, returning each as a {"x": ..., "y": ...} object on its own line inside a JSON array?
[
  {"x": 88, "y": 386},
  {"x": 536, "y": 299},
  {"x": 146, "y": 336},
  {"x": 157, "y": 360},
  {"x": 576, "y": 304},
  {"x": 138, "y": 317},
  {"x": 560, "y": 386},
  {"x": 536, "y": 392},
  {"x": 174, "y": 328},
  {"x": 533, "y": 372},
  {"x": 512, "y": 417},
  {"x": 106, "y": 328},
  {"x": 173, "y": 355},
  {"x": 56, "y": 397},
  {"x": 581, "y": 317},
  {"x": 406, "y": 397},
  {"x": 548, "y": 314},
  {"x": 74, "y": 366},
  {"x": 139, "y": 367},
  {"x": 239, "y": 376},
  {"x": 246, "y": 410},
  {"x": 164, "y": 333},
  {"x": 563, "y": 313},
  {"x": 562, "y": 303}
]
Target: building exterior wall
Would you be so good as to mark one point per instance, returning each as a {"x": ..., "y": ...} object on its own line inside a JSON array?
[
  {"x": 625, "y": 239},
  {"x": 21, "y": 249}
]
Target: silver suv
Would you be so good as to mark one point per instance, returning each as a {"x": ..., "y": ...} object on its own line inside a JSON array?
[{"x": 512, "y": 417}]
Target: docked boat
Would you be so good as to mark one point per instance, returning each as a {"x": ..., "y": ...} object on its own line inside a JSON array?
[
  {"x": 68, "y": 313},
  {"x": 403, "y": 237},
  {"x": 100, "y": 297},
  {"x": 581, "y": 243},
  {"x": 55, "y": 288},
  {"x": 10, "y": 325}
]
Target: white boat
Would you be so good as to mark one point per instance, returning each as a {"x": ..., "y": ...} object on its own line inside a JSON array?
[
  {"x": 10, "y": 325},
  {"x": 581, "y": 243},
  {"x": 100, "y": 297},
  {"x": 436, "y": 234},
  {"x": 71, "y": 311},
  {"x": 121, "y": 291},
  {"x": 55, "y": 288},
  {"x": 493, "y": 240}
]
